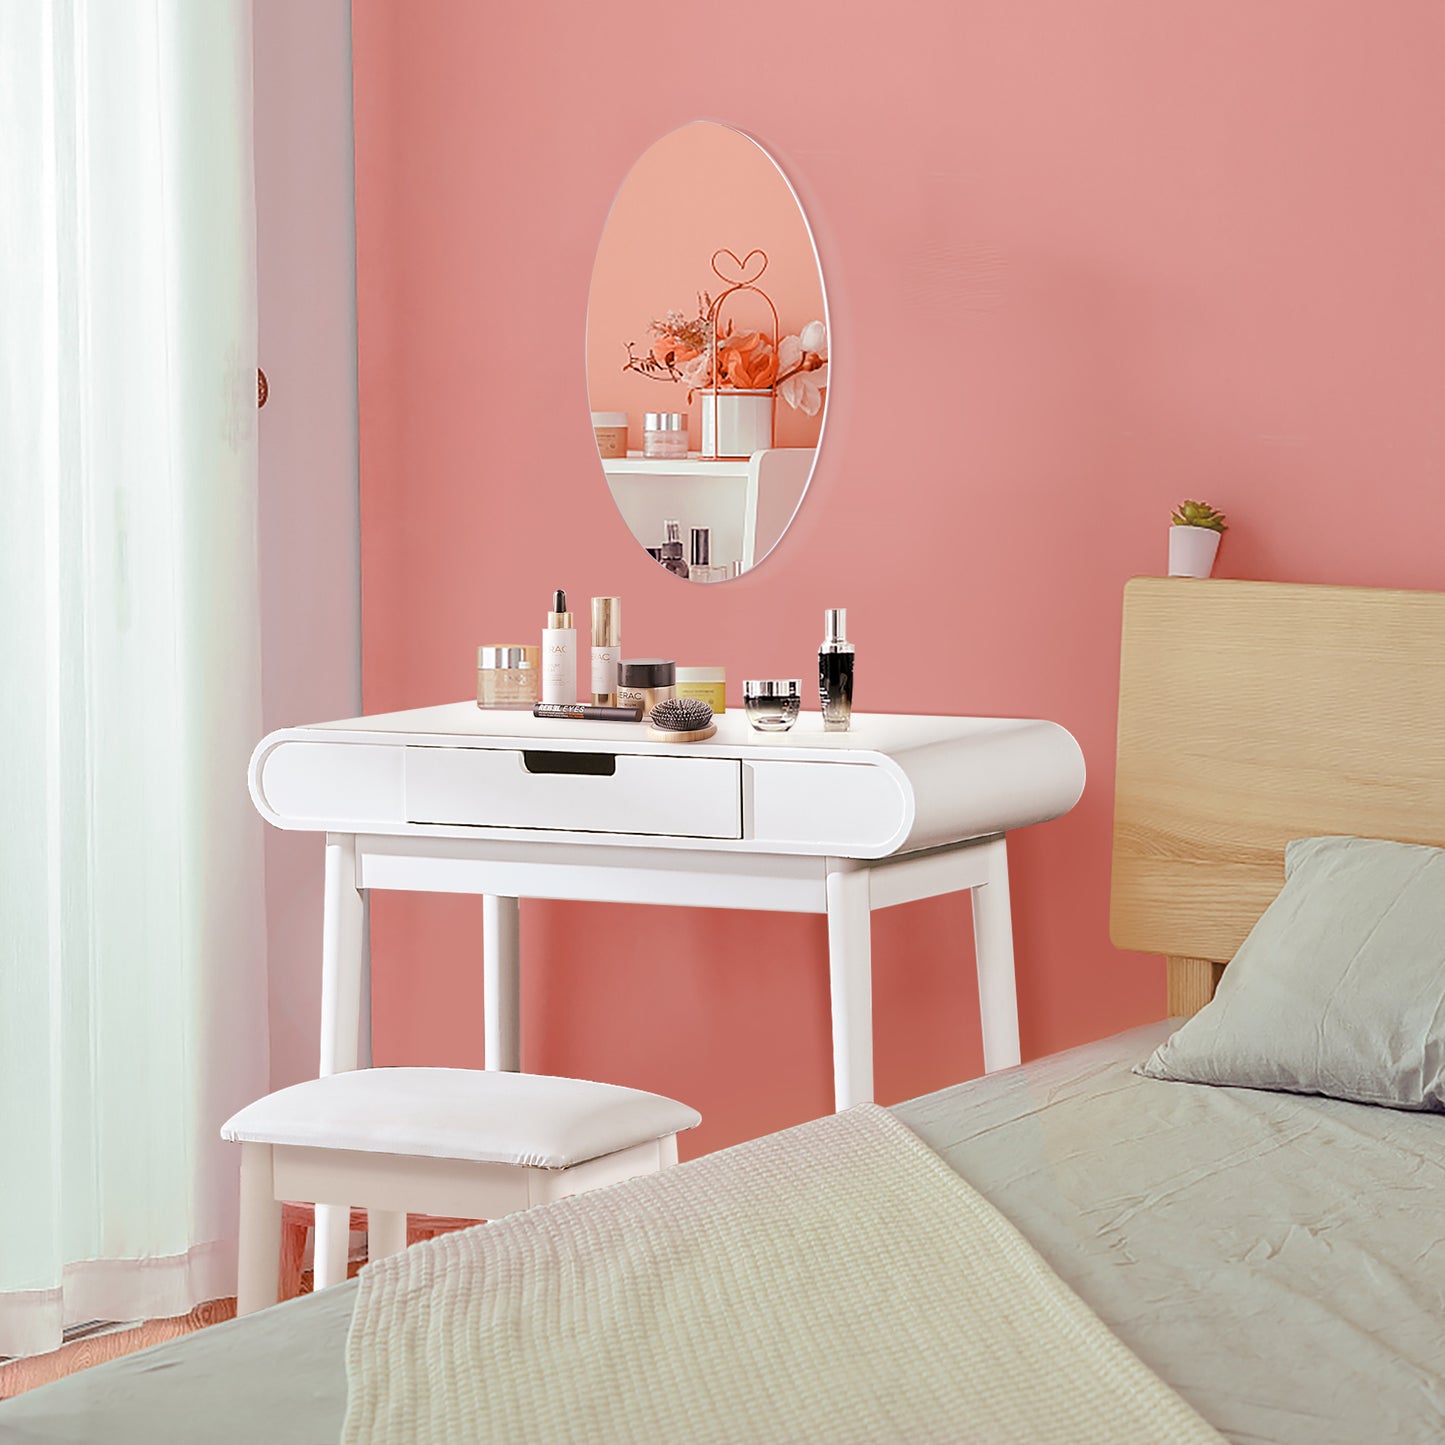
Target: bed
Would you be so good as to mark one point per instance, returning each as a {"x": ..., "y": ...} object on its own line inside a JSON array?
[{"x": 1277, "y": 1258}]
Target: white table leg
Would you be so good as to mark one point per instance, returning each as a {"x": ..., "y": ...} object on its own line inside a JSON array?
[
  {"x": 364, "y": 1059},
  {"x": 850, "y": 977},
  {"x": 501, "y": 982},
  {"x": 343, "y": 937},
  {"x": 993, "y": 942}
]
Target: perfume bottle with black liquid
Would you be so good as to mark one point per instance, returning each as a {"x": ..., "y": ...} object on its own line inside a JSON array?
[{"x": 835, "y": 672}]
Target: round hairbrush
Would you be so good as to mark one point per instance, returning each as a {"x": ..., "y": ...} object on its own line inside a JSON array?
[{"x": 681, "y": 720}]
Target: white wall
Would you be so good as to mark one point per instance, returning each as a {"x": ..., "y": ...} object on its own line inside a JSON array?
[{"x": 309, "y": 533}]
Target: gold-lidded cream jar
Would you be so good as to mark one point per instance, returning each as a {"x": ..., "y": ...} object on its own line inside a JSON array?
[
  {"x": 706, "y": 684},
  {"x": 509, "y": 675},
  {"x": 646, "y": 681}
]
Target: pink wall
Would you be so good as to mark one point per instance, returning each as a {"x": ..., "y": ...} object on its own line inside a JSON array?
[
  {"x": 696, "y": 190},
  {"x": 1084, "y": 258},
  {"x": 308, "y": 524}
]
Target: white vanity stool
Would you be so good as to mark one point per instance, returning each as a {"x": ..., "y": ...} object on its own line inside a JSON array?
[{"x": 456, "y": 1142}]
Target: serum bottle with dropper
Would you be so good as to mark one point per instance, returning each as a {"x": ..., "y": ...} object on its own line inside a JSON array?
[
  {"x": 835, "y": 672},
  {"x": 559, "y": 653}
]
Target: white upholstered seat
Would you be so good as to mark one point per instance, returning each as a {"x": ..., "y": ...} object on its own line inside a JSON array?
[
  {"x": 456, "y": 1142},
  {"x": 527, "y": 1119}
]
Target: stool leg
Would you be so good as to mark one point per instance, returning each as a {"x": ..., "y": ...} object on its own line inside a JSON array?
[
  {"x": 667, "y": 1152},
  {"x": 332, "y": 1245},
  {"x": 259, "y": 1261},
  {"x": 385, "y": 1233}
]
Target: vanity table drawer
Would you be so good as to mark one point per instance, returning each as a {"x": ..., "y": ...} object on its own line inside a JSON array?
[{"x": 579, "y": 792}]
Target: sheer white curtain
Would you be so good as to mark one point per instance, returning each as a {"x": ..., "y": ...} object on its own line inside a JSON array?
[{"x": 132, "y": 967}]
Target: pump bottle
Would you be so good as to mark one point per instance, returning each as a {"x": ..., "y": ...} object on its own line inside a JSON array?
[{"x": 835, "y": 672}]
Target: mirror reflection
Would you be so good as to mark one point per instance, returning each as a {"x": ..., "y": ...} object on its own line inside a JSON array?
[{"x": 707, "y": 352}]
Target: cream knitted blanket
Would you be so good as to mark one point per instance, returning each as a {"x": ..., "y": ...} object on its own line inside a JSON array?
[{"x": 836, "y": 1282}]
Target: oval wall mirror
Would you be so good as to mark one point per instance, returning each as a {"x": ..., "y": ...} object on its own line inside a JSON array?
[{"x": 707, "y": 352}]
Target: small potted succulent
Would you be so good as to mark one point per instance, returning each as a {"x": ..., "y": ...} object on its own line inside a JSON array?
[{"x": 1194, "y": 539}]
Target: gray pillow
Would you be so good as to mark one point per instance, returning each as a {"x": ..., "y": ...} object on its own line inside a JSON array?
[{"x": 1339, "y": 988}]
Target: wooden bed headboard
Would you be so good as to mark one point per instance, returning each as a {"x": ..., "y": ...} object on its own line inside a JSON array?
[{"x": 1251, "y": 713}]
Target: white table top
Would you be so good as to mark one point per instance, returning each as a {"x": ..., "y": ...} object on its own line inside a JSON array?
[
  {"x": 886, "y": 734},
  {"x": 892, "y": 781}
]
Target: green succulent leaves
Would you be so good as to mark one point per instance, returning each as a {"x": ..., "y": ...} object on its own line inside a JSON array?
[{"x": 1198, "y": 514}]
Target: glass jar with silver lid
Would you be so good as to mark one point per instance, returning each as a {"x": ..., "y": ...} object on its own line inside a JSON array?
[
  {"x": 664, "y": 435},
  {"x": 509, "y": 675},
  {"x": 773, "y": 704}
]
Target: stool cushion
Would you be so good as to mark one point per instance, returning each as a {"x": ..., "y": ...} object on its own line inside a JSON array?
[{"x": 534, "y": 1120}]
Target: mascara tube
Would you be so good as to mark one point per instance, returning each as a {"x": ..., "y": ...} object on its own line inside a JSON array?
[{"x": 586, "y": 712}]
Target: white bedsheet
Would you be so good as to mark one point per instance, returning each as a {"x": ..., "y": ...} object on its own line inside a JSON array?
[{"x": 1279, "y": 1261}]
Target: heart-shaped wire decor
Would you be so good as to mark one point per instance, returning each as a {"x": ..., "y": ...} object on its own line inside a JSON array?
[{"x": 743, "y": 276}]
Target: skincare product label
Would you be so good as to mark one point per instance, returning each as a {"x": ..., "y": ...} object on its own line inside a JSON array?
[
  {"x": 706, "y": 684},
  {"x": 559, "y": 664},
  {"x": 604, "y": 671}
]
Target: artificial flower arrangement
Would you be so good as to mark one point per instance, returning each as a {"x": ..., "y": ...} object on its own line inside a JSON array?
[{"x": 682, "y": 346}]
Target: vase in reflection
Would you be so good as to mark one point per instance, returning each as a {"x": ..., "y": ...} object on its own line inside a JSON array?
[{"x": 736, "y": 423}]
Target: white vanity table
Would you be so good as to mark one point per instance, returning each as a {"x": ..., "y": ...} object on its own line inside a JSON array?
[
  {"x": 454, "y": 799},
  {"x": 501, "y": 804}
]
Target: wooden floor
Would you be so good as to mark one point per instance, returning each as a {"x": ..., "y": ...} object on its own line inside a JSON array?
[
  {"x": 20, "y": 1375},
  {"x": 17, "y": 1376}
]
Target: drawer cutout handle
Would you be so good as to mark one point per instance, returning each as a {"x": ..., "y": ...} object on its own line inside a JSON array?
[{"x": 584, "y": 765}]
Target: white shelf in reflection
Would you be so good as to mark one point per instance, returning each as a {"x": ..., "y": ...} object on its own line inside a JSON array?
[
  {"x": 746, "y": 502},
  {"x": 693, "y": 465}
]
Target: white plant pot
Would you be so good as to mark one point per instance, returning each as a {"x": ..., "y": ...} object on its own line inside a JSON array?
[
  {"x": 1191, "y": 551},
  {"x": 744, "y": 422}
]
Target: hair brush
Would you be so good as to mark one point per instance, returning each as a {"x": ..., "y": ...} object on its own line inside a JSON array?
[{"x": 681, "y": 720}]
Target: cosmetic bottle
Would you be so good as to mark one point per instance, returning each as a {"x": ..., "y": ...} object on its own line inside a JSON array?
[
  {"x": 610, "y": 429},
  {"x": 646, "y": 681},
  {"x": 835, "y": 672},
  {"x": 664, "y": 435},
  {"x": 507, "y": 675},
  {"x": 705, "y": 684},
  {"x": 559, "y": 653},
  {"x": 773, "y": 703},
  {"x": 700, "y": 567},
  {"x": 606, "y": 649},
  {"x": 672, "y": 556}
]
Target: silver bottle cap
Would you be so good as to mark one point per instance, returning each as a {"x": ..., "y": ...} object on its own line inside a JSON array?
[
  {"x": 835, "y": 624},
  {"x": 672, "y": 532},
  {"x": 664, "y": 421},
  {"x": 497, "y": 656},
  {"x": 771, "y": 687},
  {"x": 701, "y": 546}
]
